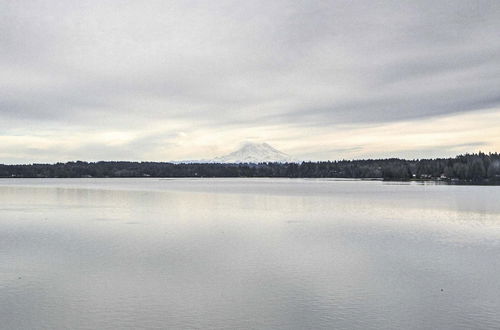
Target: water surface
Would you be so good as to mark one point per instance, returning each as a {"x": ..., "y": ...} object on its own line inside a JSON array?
[{"x": 248, "y": 253}]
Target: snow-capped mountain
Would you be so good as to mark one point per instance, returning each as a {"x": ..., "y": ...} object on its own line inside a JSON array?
[{"x": 251, "y": 152}]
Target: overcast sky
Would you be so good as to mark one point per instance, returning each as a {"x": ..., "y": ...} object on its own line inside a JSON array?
[{"x": 171, "y": 80}]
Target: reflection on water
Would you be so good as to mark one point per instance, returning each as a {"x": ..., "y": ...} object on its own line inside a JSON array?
[{"x": 247, "y": 253}]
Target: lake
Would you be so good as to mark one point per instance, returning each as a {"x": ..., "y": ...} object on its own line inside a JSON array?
[{"x": 248, "y": 254}]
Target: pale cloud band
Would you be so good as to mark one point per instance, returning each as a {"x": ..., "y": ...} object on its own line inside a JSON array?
[
  {"x": 428, "y": 137},
  {"x": 164, "y": 80}
]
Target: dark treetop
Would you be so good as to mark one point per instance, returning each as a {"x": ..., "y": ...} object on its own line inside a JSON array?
[{"x": 478, "y": 167}]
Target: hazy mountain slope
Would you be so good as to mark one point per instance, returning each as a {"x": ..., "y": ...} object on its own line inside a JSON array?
[{"x": 254, "y": 153}]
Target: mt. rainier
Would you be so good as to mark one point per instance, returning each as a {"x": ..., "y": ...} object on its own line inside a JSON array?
[{"x": 254, "y": 153}]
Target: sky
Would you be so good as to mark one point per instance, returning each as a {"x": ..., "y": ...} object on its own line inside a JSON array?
[{"x": 179, "y": 80}]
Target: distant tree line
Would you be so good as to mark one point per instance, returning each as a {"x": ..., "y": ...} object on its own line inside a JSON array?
[{"x": 478, "y": 167}]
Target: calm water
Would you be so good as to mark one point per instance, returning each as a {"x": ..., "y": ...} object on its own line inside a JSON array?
[{"x": 248, "y": 253}]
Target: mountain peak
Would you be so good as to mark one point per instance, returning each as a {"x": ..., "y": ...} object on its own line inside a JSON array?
[{"x": 251, "y": 152}]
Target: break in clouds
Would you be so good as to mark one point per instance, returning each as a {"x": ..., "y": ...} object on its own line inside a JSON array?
[{"x": 165, "y": 80}]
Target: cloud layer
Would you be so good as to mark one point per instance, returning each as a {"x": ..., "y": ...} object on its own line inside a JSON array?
[{"x": 163, "y": 80}]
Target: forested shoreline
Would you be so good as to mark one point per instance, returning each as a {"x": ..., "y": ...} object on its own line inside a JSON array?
[{"x": 478, "y": 168}]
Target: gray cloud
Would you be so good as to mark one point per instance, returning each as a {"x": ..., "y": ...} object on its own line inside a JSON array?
[{"x": 116, "y": 65}]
